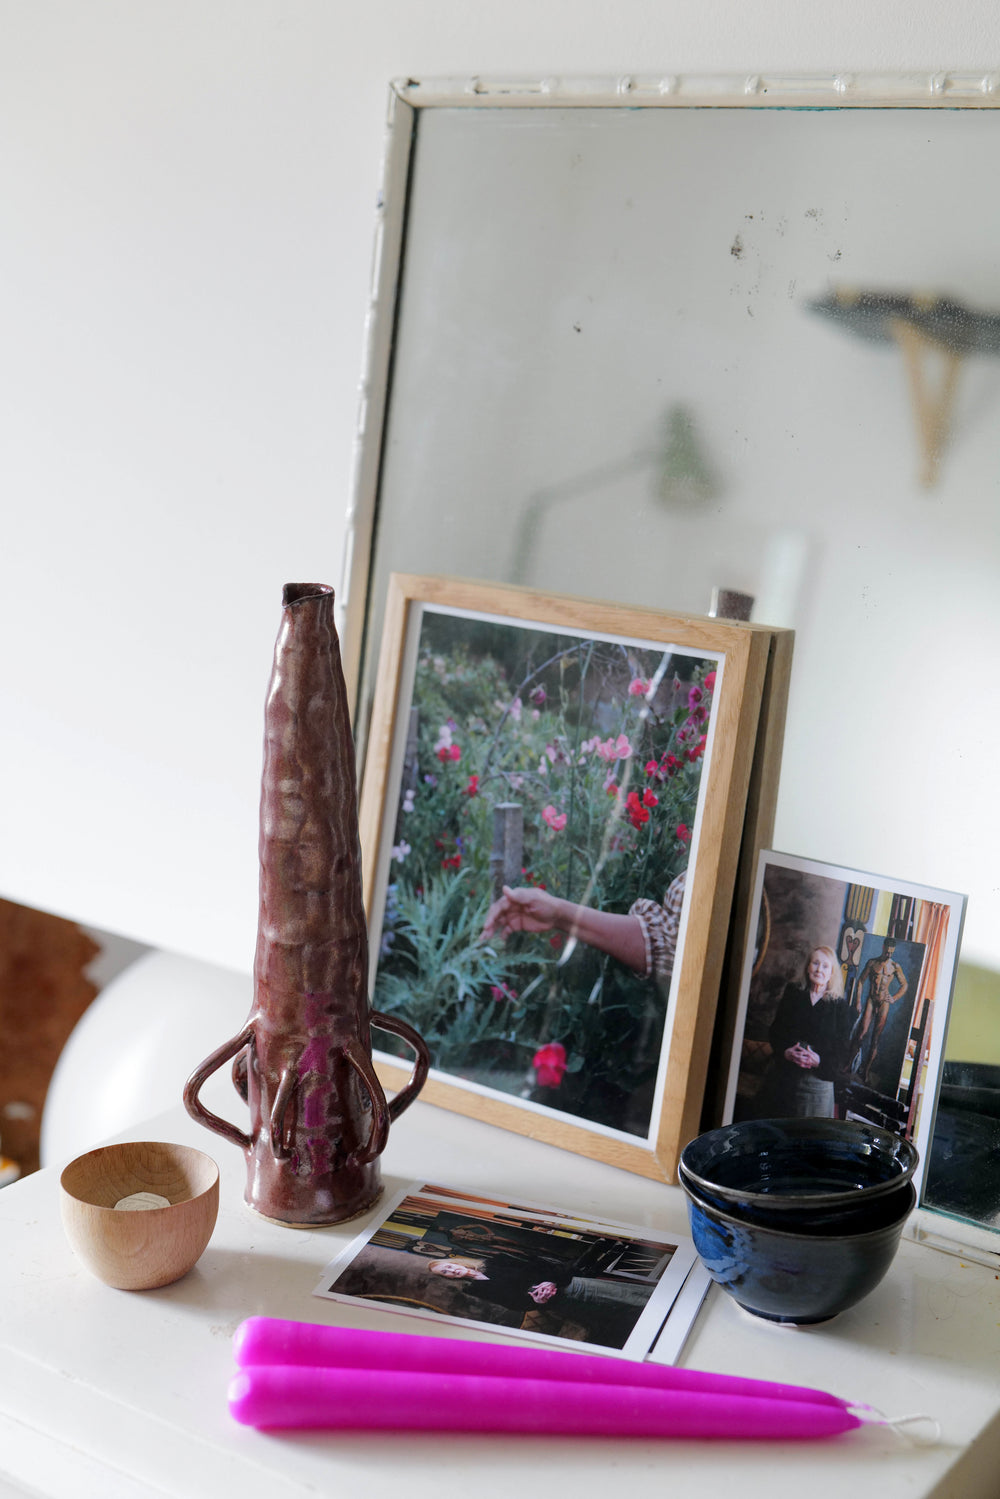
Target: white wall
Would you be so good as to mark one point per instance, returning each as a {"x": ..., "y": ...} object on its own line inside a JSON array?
[{"x": 186, "y": 213}]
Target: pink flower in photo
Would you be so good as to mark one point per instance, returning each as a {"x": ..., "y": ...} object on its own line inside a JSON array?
[
  {"x": 549, "y": 1063},
  {"x": 615, "y": 749},
  {"x": 652, "y": 768},
  {"x": 502, "y": 993},
  {"x": 515, "y": 710},
  {"x": 555, "y": 820},
  {"x": 694, "y": 697},
  {"x": 638, "y": 687},
  {"x": 710, "y": 681}
]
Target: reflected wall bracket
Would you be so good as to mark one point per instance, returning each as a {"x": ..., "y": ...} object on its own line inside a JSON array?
[{"x": 928, "y": 330}]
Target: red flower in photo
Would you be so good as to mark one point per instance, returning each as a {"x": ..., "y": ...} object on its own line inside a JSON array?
[
  {"x": 650, "y": 798},
  {"x": 636, "y": 813},
  {"x": 683, "y": 832},
  {"x": 549, "y": 1063},
  {"x": 710, "y": 681},
  {"x": 472, "y": 789}
]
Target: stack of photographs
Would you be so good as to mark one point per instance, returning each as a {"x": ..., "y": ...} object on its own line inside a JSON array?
[{"x": 525, "y": 1271}]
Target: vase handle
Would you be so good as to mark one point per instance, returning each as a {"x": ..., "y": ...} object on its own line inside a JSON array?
[
  {"x": 362, "y": 1064},
  {"x": 421, "y": 1065},
  {"x": 282, "y": 1135},
  {"x": 200, "y": 1075}
]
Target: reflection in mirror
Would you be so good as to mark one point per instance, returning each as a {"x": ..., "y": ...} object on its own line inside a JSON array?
[
  {"x": 962, "y": 1182},
  {"x": 610, "y": 378}
]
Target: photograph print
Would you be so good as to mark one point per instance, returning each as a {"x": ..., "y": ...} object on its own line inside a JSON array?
[
  {"x": 544, "y": 813},
  {"x": 514, "y": 1269},
  {"x": 845, "y": 993}
]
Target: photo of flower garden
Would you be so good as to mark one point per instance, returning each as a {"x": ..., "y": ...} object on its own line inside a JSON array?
[{"x": 564, "y": 769}]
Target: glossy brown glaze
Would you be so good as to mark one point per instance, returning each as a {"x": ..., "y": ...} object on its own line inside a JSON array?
[{"x": 318, "y": 1116}]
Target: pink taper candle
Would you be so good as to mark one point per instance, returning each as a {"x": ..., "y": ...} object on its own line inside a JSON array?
[
  {"x": 280, "y": 1396},
  {"x": 271, "y": 1340}
]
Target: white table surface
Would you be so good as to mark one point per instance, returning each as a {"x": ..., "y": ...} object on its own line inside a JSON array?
[{"x": 119, "y": 1395}]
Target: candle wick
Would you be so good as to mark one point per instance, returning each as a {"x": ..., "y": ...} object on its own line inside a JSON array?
[{"x": 902, "y": 1425}]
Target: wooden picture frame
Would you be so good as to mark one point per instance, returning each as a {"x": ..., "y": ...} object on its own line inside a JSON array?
[{"x": 699, "y": 707}]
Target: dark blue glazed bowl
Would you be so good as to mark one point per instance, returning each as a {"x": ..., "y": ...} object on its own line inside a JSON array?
[
  {"x": 815, "y": 1175},
  {"x": 795, "y": 1277}
]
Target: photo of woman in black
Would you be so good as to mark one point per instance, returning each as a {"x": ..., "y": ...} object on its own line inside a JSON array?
[{"x": 810, "y": 1038}]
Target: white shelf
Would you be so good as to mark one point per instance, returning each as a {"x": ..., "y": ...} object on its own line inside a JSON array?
[{"x": 123, "y": 1395}]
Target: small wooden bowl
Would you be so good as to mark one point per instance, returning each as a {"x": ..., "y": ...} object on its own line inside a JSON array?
[{"x": 137, "y": 1251}]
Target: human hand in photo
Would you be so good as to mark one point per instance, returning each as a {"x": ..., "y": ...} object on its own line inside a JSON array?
[
  {"x": 802, "y": 1055},
  {"x": 526, "y": 909},
  {"x": 543, "y": 1291}
]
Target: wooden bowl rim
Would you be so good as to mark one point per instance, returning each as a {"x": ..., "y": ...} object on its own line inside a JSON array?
[{"x": 119, "y": 1145}]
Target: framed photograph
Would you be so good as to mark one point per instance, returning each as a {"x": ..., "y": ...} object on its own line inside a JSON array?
[
  {"x": 521, "y": 1270},
  {"x": 847, "y": 980},
  {"x": 552, "y": 811}
]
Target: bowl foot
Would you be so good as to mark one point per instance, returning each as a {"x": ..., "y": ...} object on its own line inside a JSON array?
[{"x": 787, "y": 1321}]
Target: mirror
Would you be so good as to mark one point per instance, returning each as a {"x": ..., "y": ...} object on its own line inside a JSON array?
[{"x": 695, "y": 336}]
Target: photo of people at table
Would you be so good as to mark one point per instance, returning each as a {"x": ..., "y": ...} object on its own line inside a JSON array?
[
  {"x": 841, "y": 991},
  {"x": 515, "y": 1271}
]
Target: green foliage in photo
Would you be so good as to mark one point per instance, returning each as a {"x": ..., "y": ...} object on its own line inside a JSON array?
[{"x": 600, "y": 745}]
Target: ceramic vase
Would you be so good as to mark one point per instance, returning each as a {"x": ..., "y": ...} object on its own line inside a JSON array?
[{"x": 303, "y": 1062}]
